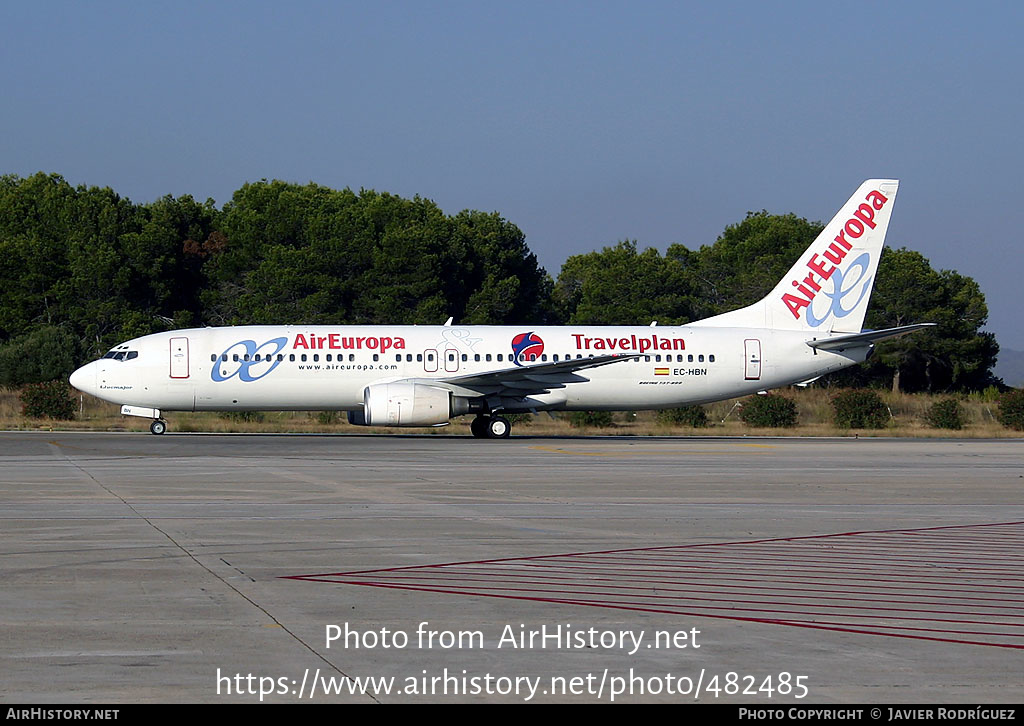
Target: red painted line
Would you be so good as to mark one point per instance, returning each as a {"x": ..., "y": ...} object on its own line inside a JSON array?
[
  {"x": 773, "y": 621},
  {"x": 917, "y": 576},
  {"x": 808, "y": 560},
  {"x": 868, "y": 590},
  {"x": 836, "y": 553},
  {"x": 730, "y": 595},
  {"x": 707, "y": 569},
  {"x": 708, "y": 575},
  {"x": 690, "y": 546},
  {"x": 864, "y": 612}
]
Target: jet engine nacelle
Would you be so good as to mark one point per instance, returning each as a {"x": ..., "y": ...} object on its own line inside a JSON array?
[{"x": 404, "y": 404}]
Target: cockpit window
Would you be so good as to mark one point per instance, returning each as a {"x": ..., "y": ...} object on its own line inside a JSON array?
[{"x": 122, "y": 354}]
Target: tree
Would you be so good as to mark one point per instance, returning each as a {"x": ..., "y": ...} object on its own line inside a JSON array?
[
  {"x": 745, "y": 262},
  {"x": 621, "y": 286},
  {"x": 956, "y": 354},
  {"x": 310, "y": 254},
  {"x": 45, "y": 354},
  {"x": 94, "y": 264}
]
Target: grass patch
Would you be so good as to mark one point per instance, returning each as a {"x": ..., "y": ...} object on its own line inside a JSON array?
[{"x": 814, "y": 410}]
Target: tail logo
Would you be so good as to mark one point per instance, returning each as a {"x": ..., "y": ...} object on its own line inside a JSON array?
[
  {"x": 826, "y": 267},
  {"x": 526, "y": 346}
]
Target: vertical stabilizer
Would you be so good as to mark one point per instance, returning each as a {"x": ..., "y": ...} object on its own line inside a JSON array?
[{"x": 828, "y": 289}]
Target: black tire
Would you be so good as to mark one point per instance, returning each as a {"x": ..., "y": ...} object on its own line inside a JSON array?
[
  {"x": 498, "y": 428},
  {"x": 479, "y": 426},
  {"x": 158, "y": 427}
]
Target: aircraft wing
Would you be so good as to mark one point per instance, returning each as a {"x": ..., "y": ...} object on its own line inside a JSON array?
[
  {"x": 532, "y": 379},
  {"x": 869, "y": 337}
]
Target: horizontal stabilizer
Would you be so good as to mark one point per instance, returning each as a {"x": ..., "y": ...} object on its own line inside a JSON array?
[{"x": 858, "y": 340}]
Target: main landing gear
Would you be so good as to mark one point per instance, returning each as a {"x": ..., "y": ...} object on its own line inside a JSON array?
[
  {"x": 158, "y": 427},
  {"x": 490, "y": 427}
]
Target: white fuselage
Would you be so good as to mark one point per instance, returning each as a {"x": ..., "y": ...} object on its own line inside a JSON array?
[
  {"x": 330, "y": 367},
  {"x": 400, "y": 375}
]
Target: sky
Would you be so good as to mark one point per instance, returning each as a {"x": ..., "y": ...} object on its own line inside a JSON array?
[{"x": 584, "y": 123}]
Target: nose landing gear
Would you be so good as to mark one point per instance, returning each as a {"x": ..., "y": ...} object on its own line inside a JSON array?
[{"x": 158, "y": 427}]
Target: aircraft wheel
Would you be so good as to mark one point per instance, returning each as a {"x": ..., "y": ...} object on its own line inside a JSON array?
[
  {"x": 498, "y": 428},
  {"x": 158, "y": 427},
  {"x": 479, "y": 427}
]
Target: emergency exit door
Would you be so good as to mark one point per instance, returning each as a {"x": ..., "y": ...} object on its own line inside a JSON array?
[{"x": 752, "y": 352}]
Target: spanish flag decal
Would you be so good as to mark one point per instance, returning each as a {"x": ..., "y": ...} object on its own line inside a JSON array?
[{"x": 661, "y": 371}]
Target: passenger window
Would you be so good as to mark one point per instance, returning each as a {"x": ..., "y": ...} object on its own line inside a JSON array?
[
  {"x": 690, "y": 358},
  {"x": 419, "y": 357},
  {"x": 657, "y": 358},
  {"x": 224, "y": 357},
  {"x": 303, "y": 357},
  {"x": 701, "y": 357},
  {"x": 316, "y": 357},
  {"x": 235, "y": 357},
  {"x": 213, "y": 357},
  {"x": 499, "y": 358},
  {"x": 711, "y": 358},
  {"x": 291, "y": 357},
  {"x": 487, "y": 357},
  {"x": 376, "y": 357},
  {"x": 408, "y": 357},
  {"x": 280, "y": 357},
  {"x": 398, "y": 357},
  {"x": 351, "y": 357}
]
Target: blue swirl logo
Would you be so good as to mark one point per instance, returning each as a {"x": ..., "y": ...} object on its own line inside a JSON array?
[
  {"x": 843, "y": 285},
  {"x": 248, "y": 368}
]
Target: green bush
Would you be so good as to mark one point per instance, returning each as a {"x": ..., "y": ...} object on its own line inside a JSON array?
[
  {"x": 860, "y": 410},
  {"x": 693, "y": 416},
  {"x": 769, "y": 410},
  {"x": 519, "y": 419},
  {"x": 947, "y": 414},
  {"x": 48, "y": 400},
  {"x": 1011, "y": 409},
  {"x": 582, "y": 419},
  {"x": 328, "y": 418},
  {"x": 46, "y": 354},
  {"x": 243, "y": 416}
]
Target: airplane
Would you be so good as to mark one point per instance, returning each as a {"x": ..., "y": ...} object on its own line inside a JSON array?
[{"x": 415, "y": 375}]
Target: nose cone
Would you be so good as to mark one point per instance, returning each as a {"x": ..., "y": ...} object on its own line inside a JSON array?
[{"x": 84, "y": 379}]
